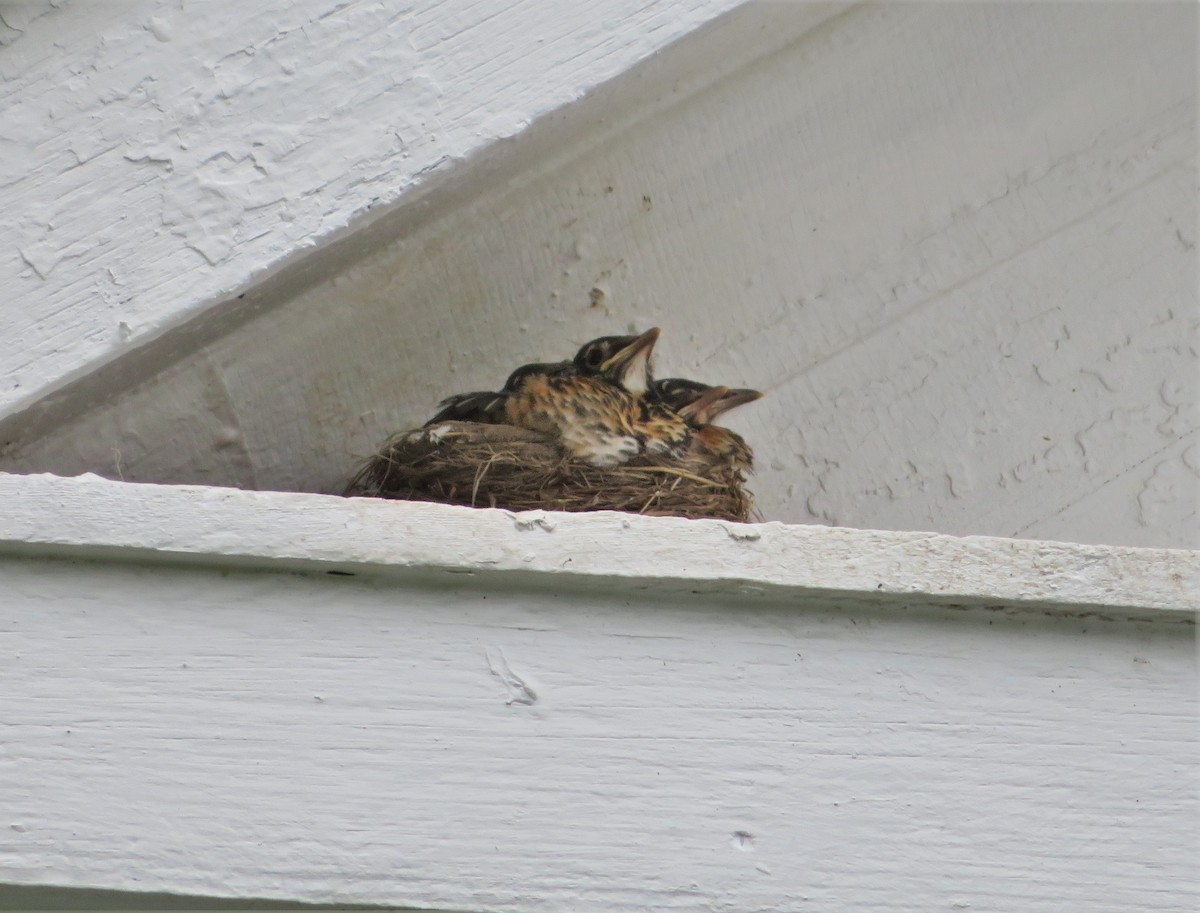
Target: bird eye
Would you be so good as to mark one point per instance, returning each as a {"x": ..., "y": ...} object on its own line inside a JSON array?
[{"x": 594, "y": 357}]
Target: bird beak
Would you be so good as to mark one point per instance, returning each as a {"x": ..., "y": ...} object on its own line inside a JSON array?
[
  {"x": 732, "y": 399},
  {"x": 700, "y": 411},
  {"x": 630, "y": 367}
]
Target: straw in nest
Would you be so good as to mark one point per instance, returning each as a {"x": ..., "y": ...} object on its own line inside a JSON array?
[{"x": 503, "y": 466}]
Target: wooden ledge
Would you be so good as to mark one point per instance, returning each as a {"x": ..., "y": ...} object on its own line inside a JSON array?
[{"x": 88, "y": 516}]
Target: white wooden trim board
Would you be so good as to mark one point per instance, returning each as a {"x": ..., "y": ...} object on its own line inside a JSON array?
[{"x": 564, "y": 712}]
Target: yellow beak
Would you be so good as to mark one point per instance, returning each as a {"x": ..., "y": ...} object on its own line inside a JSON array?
[{"x": 630, "y": 367}]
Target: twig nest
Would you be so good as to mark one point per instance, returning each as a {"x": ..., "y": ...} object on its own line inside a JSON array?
[{"x": 503, "y": 466}]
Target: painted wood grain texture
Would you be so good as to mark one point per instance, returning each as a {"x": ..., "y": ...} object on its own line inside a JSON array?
[
  {"x": 329, "y": 738},
  {"x": 89, "y": 516},
  {"x": 954, "y": 244},
  {"x": 160, "y": 155}
]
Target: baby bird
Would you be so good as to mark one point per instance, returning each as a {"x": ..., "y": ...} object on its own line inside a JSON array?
[
  {"x": 699, "y": 405},
  {"x": 596, "y": 409},
  {"x": 602, "y": 405},
  {"x": 488, "y": 407}
]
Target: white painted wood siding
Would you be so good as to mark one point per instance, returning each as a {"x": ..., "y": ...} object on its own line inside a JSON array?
[{"x": 446, "y": 729}]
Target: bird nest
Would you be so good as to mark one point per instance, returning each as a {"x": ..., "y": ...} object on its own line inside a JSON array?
[{"x": 503, "y": 466}]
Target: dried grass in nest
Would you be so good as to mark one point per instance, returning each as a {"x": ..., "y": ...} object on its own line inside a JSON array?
[{"x": 502, "y": 466}]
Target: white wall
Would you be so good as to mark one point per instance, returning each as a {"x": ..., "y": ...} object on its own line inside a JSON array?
[{"x": 954, "y": 244}]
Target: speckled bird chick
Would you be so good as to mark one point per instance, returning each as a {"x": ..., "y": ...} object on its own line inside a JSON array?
[
  {"x": 699, "y": 405},
  {"x": 597, "y": 404},
  {"x": 488, "y": 407},
  {"x": 661, "y": 432},
  {"x": 598, "y": 411}
]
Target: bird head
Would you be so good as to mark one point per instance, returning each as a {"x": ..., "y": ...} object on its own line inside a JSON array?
[
  {"x": 697, "y": 403},
  {"x": 623, "y": 360},
  {"x": 731, "y": 400}
]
